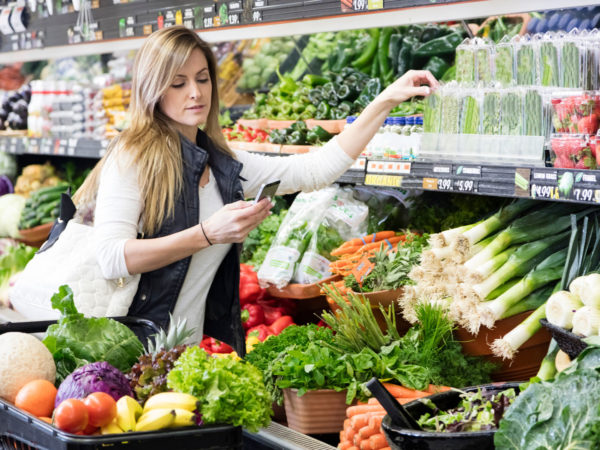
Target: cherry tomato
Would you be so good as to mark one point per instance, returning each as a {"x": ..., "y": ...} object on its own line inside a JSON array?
[
  {"x": 101, "y": 408},
  {"x": 71, "y": 416}
]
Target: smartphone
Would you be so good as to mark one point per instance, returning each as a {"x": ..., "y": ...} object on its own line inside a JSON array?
[{"x": 267, "y": 190}]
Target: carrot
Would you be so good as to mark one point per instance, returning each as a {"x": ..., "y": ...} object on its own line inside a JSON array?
[
  {"x": 375, "y": 421},
  {"x": 369, "y": 238},
  {"x": 357, "y": 440},
  {"x": 386, "y": 244},
  {"x": 400, "y": 391},
  {"x": 345, "y": 445},
  {"x": 373, "y": 401},
  {"x": 360, "y": 420},
  {"x": 343, "y": 436},
  {"x": 378, "y": 441},
  {"x": 354, "y": 447},
  {"x": 347, "y": 424},
  {"x": 350, "y": 433},
  {"x": 367, "y": 431},
  {"x": 361, "y": 409},
  {"x": 365, "y": 445},
  {"x": 433, "y": 389}
]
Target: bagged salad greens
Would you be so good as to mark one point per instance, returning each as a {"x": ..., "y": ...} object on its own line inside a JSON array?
[
  {"x": 344, "y": 219},
  {"x": 301, "y": 230}
]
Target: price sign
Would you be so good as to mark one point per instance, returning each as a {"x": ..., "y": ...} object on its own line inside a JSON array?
[
  {"x": 210, "y": 9},
  {"x": 383, "y": 180},
  {"x": 129, "y": 32},
  {"x": 464, "y": 185},
  {"x": 257, "y": 16},
  {"x": 260, "y": 3},
  {"x": 359, "y": 164},
  {"x": 208, "y": 22},
  {"x": 147, "y": 29},
  {"x": 584, "y": 195},
  {"x": 235, "y": 6},
  {"x": 360, "y": 5},
  {"x": 444, "y": 184},
  {"x": 233, "y": 19},
  {"x": 544, "y": 192}
]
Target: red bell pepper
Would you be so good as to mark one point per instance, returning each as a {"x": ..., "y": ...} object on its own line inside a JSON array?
[
  {"x": 212, "y": 345},
  {"x": 252, "y": 315},
  {"x": 250, "y": 290},
  {"x": 280, "y": 324},
  {"x": 262, "y": 332}
]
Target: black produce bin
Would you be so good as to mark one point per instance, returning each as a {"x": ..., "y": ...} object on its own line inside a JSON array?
[{"x": 20, "y": 430}]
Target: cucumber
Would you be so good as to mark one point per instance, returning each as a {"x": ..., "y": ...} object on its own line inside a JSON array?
[
  {"x": 49, "y": 197},
  {"x": 47, "y": 208},
  {"x": 61, "y": 187}
]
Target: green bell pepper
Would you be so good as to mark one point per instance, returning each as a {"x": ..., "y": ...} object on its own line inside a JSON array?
[
  {"x": 297, "y": 137},
  {"x": 439, "y": 46},
  {"x": 314, "y": 80},
  {"x": 260, "y": 99},
  {"x": 346, "y": 92},
  {"x": 287, "y": 85},
  {"x": 323, "y": 111},
  {"x": 342, "y": 111},
  {"x": 322, "y": 134},
  {"x": 433, "y": 32},
  {"x": 415, "y": 31},
  {"x": 316, "y": 95},
  {"x": 329, "y": 92},
  {"x": 344, "y": 57},
  {"x": 368, "y": 52},
  {"x": 311, "y": 137},
  {"x": 308, "y": 113},
  {"x": 373, "y": 88},
  {"x": 299, "y": 126},
  {"x": 437, "y": 66},
  {"x": 395, "y": 45},
  {"x": 275, "y": 137},
  {"x": 298, "y": 107},
  {"x": 404, "y": 61}
]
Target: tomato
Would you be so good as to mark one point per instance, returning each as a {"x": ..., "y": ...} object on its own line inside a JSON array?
[
  {"x": 101, "y": 408},
  {"x": 37, "y": 398},
  {"x": 71, "y": 416},
  {"x": 90, "y": 429}
]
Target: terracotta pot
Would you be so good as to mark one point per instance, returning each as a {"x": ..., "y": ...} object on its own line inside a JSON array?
[
  {"x": 316, "y": 412},
  {"x": 254, "y": 123},
  {"x": 526, "y": 362},
  {"x": 279, "y": 124},
  {"x": 384, "y": 298},
  {"x": 35, "y": 236}
]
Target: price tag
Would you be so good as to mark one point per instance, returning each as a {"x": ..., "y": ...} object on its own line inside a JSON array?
[
  {"x": 442, "y": 169},
  {"x": 257, "y": 16},
  {"x": 474, "y": 171},
  {"x": 464, "y": 185},
  {"x": 131, "y": 21},
  {"x": 430, "y": 183},
  {"x": 72, "y": 142},
  {"x": 383, "y": 180},
  {"x": 544, "y": 192},
  {"x": 188, "y": 13},
  {"x": 376, "y": 166},
  {"x": 208, "y": 22},
  {"x": 235, "y": 6},
  {"x": 129, "y": 32},
  {"x": 397, "y": 167},
  {"x": 362, "y": 269},
  {"x": 359, "y": 164},
  {"x": 375, "y": 4},
  {"x": 210, "y": 9},
  {"x": 147, "y": 29},
  {"x": 188, "y": 23},
  {"x": 585, "y": 195},
  {"x": 360, "y": 5},
  {"x": 260, "y": 3},
  {"x": 444, "y": 184},
  {"x": 233, "y": 19}
]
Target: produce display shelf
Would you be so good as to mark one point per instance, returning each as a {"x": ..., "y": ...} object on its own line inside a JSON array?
[
  {"x": 543, "y": 183},
  {"x": 277, "y": 436},
  {"x": 47, "y": 38}
]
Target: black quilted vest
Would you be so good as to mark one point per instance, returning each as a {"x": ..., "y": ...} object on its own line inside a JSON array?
[{"x": 158, "y": 290}]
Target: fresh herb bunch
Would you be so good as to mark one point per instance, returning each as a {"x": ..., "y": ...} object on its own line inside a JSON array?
[
  {"x": 391, "y": 268},
  {"x": 263, "y": 354},
  {"x": 229, "y": 391},
  {"x": 480, "y": 410}
]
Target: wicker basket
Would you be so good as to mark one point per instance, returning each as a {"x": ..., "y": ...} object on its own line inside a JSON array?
[{"x": 568, "y": 342}]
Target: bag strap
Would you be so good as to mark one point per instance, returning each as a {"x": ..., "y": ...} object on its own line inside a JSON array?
[{"x": 67, "y": 211}]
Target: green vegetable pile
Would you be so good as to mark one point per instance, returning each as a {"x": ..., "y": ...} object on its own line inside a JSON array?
[
  {"x": 42, "y": 207},
  {"x": 299, "y": 134},
  {"x": 76, "y": 340},
  {"x": 561, "y": 414},
  {"x": 478, "y": 411},
  {"x": 258, "y": 69},
  {"x": 13, "y": 259},
  {"x": 229, "y": 391},
  {"x": 309, "y": 358}
]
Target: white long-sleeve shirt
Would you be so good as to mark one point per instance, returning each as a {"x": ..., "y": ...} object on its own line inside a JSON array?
[{"x": 119, "y": 208}]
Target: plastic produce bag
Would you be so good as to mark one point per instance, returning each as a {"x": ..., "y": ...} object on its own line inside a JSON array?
[
  {"x": 344, "y": 219},
  {"x": 504, "y": 62},
  {"x": 465, "y": 62},
  {"x": 295, "y": 234}
]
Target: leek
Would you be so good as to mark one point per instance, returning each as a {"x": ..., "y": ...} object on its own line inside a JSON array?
[
  {"x": 445, "y": 238},
  {"x": 506, "y": 347},
  {"x": 548, "y": 366},
  {"x": 489, "y": 267},
  {"x": 497, "y": 221},
  {"x": 587, "y": 288},
  {"x": 586, "y": 320},
  {"x": 532, "y": 227},
  {"x": 525, "y": 258},
  {"x": 550, "y": 269},
  {"x": 561, "y": 307},
  {"x": 531, "y": 302}
]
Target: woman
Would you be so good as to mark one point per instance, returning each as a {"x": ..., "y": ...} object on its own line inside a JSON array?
[{"x": 185, "y": 189}]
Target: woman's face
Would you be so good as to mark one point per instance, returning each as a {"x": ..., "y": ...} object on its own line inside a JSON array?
[{"x": 187, "y": 100}]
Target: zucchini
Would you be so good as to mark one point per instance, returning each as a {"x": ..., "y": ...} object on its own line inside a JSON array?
[
  {"x": 61, "y": 187},
  {"x": 49, "y": 197}
]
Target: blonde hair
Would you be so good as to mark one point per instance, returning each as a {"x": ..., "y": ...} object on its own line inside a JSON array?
[{"x": 151, "y": 141}]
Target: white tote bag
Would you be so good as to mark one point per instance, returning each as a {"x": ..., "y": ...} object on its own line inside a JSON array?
[{"x": 71, "y": 260}]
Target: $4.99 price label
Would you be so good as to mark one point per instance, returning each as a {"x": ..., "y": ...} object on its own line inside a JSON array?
[{"x": 542, "y": 191}]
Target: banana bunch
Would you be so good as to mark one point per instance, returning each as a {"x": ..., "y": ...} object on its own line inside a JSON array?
[{"x": 164, "y": 410}]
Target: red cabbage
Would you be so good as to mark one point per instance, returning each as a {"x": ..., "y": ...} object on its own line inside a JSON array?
[
  {"x": 6, "y": 186},
  {"x": 94, "y": 377}
]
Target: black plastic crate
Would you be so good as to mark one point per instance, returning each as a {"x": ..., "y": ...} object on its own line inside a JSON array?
[
  {"x": 20, "y": 430},
  {"x": 567, "y": 341}
]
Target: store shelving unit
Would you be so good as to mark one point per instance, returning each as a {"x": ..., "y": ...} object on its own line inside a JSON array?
[{"x": 250, "y": 19}]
